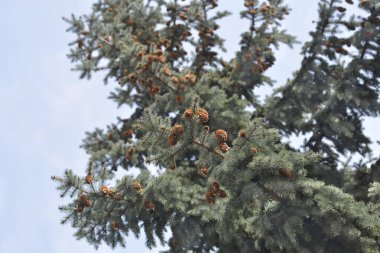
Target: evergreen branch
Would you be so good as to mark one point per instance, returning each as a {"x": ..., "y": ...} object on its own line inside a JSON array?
[
  {"x": 208, "y": 148},
  {"x": 305, "y": 65}
]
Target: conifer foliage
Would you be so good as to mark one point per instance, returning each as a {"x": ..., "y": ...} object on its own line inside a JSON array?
[{"x": 226, "y": 181}]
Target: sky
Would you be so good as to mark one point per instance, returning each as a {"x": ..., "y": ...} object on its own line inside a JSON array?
[{"x": 45, "y": 109}]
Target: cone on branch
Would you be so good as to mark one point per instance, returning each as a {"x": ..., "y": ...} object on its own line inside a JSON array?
[
  {"x": 188, "y": 114},
  {"x": 203, "y": 171},
  {"x": 221, "y": 135},
  {"x": 210, "y": 198},
  {"x": 224, "y": 147},
  {"x": 172, "y": 139},
  {"x": 178, "y": 130},
  {"x": 202, "y": 115},
  {"x": 89, "y": 179}
]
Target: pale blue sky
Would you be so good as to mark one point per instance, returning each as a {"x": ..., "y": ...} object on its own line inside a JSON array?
[{"x": 45, "y": 110}]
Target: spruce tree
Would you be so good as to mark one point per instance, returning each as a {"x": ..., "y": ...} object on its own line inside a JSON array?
[{"x": 227, "y": 181}]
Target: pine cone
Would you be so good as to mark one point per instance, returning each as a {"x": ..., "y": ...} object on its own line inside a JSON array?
[
  {"x": 249, "y": 3},
  {"x": 202, "y": 114},
  {"x": 172, "y": 139},
  {"x": 129, "y": 153},
  {"x": 115, "y": 226},
  {"x": 203, "y": 171},
  {"x": 242, "y": 134},
  {"x": 128, "y": 132},
  {"x": 188, "y": 114},
  {"x": 82, "y": 199},
  {"x": 137, "y": 185},
  {"x": 104, "y": 189},
  {"x": 286, "y": 172},
  {"x": 177, "y": 130},
  {"x": 224, "y": 147},
  {"x": 117, "y": 196},
  {"x": 89, "y": 179},
  {"x": 87, "y": 203},
  {"x": 174, "y": 79},
  {"x": 179, "y": 99},
  {"x": 215, "y": 187},
  {"x": 166, "y": 71},
  {"x": 210, "y": 198},
  {"x": 221, "y": 193},
  {"x": 341, "y": 9},
  {"x": 221, "y": 135},
  {"x": 149, "y": 205}
]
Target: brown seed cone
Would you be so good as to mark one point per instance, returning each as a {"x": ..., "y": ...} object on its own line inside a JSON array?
[
  {"x": 172, "y": 166},
  {"x": 221, "y": 135},
  {"x": 104, "y": 189},
  {"x": 80, "y": 208},
  {"x": 221, "y": 193},
  {"x": 166, "y": 71},
  {"x": 117, "y": 196},
  {"x": 224, "y": 147},
  {"x": 202, "y": 114},
  {"x": 341, "y": 9},
  {"x": 128, "y": 132},
  {"x": 115, "y": 226},
  {"x": 137, "y": 185},
  {"x": 182, "y": 79},
  {"x": 80, "y": 43},
  {"x": 341, "y": 50},
  {"x": 174, "y": 79},
  {"x": 210, "y": 198},
  {"x": 111, "y": 192},
  {"x": 286, "y": 172},
  {"x": 179, "y": 99},
  {"x": 350, "y": 26},
  {"x": 172, "y": 242},
  {"x": 87, "y": 203},
  {"x": 89, "y": 179},
  {"x": 363, "y": 2},
  {"x": 149, "y": 205},
  {"x": 190, "y": 78},
  {"x": 158, "y": 52},
  {"x": 129, "y": 154},
  {"x": 177, "y": 130},
  {"x": 254, "y": 150},
  {"x": 248, "y": 3},
  {"x": 203, "y": 171},
  {"x": 182, "y": 16},
  {"x": 188, "y": 114},
  {"x": 172, "y": 139},
  {"x": 242, "y": 134},
  {"x": 155, "y": 89},
  {"x": 131, "y": 22},
  {"x": 132, "y": 77},
  {"x": 141, "y": 53},
  {"x": 215, "y": 187},
  {"x": 161, "y": 58},
  {"x": 82, "y": 199}
]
